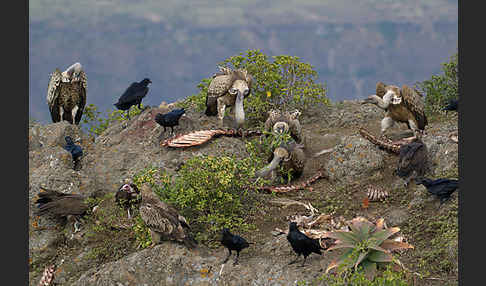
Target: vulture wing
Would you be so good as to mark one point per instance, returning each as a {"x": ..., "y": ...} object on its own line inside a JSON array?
[
  {"x": 413, "y": 101},
  {"x": 380, "y": 89},
  {"x": 53, "y": 93},
  {"x": 83, "y": 79},
  {"x": 160, "y": 218}
]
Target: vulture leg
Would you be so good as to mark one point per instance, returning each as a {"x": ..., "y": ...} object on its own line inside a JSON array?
[
  {"x": 386, "y": 123},
  {"x": 73, "y": 113},
  {"x": 129, "y": 215},
  {"x": 415, "y": 130},
  {"x": 61, "y": 113},
  {"x": 221, "y": 109}
]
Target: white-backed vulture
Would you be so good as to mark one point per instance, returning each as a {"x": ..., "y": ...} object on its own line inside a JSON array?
[
  {"x": 228, "y": 88},
  {"x": 66, "y": 94},
  {"x": 401, "y": 105}
]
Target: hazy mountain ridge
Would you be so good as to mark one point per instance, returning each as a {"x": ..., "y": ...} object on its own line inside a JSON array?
[{"x": 177, "y": 45}]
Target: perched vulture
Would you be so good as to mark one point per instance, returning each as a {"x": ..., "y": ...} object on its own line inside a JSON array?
[
  {"x": 66, "y": 94},
  {"x": 279, "y": 122},
  {"x": 133, "y": 95},
  {"x": 289, "y": 156},
  {"x": 401, "y": 105},
  {"x": 163, "y": 220},
  {"x": 61, "y": 205},
  {"x": 413, "y": 158},
  {"x": 228, "y": 88},
  {"x": 127, "y": 196}
]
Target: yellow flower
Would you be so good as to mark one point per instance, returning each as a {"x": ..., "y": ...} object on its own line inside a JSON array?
[{"x": 269, "y": 93}]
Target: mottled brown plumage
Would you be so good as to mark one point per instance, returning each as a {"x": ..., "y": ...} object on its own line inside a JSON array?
[
  {"x": 413, "y": 158},
  {"x": 66, "y": 94},
  {"x": 290, "y": 157},
  {"x": 401, "y": 105},
  {"x": 228, "y": 88},
  {"x": 163, "y": 220},
  {"x": 279, "y": 121}
]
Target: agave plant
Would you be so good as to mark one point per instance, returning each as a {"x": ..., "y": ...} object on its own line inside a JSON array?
[{"x": 368, "y": 245}]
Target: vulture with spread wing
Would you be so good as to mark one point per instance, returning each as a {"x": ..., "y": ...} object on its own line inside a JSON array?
[
  {"x": 401, "y": 105},
  {"x": 228, "y": 88},
  {"x": 66, "y": 94}
]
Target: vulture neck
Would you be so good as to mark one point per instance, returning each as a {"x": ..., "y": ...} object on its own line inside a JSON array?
[
  {"x": 270, "y": 167},
  {"x": 239, "y": 110},
  {"x": 384, "y": 102}
]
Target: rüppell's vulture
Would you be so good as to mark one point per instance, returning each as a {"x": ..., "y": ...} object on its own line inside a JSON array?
[
  {"x": 288, "y": 158},
  {"x": 163, "y": 220},
  {"x": 133, "y": 95},
  {"x": 413, "y": 159},
  {"x": 401, "y": 105},
  {"x": 61, "y": 205},
  {"x": 66, "y": 94},
  {"x": 228, "y": 88},
  {"x": 279, "y": 122}
]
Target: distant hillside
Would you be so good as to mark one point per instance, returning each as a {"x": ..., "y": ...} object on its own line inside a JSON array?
[{"x": 352, "y": 45}]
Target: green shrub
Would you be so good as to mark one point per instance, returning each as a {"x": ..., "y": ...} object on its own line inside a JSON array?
[
  {"x": 439, "y": 89},
  {"x": 357, "y": 278},
  {"x": 283, "y": 83},
  {"x": 95, "y": 123}
]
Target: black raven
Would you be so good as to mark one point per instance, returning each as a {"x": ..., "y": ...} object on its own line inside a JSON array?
[
  {"x": 301, "y": 243},
  {"x": 169, "y": 119},
  {"x": 133, "y": 95},
  {"x": 75, "y": 150},
  {"x": 233, "y": 242},
  {"x": 452, "y": 106},
  {"x": 126, "y": 196},
  {"x": 442, "y": 188}
]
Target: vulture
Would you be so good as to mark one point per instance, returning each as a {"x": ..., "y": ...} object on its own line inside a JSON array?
[
  {"x": 170, "y": 119},
  {"x": 228, "y": 88},
  {"x": 127, "y": 196},
  {"x": 66, "y": 94},
  {"x": 401, "y": 105},
  {"x": 133, "y": 95},
  {"x": 289, "y": 156},
  {"x": 442, "y": 188},
  {"x": 302, "y": 244},
  {"x": 163, "y": 220},
  {"x": 233, "y": 242},
  {"x": 61, "y": 205},
  {"x": 413, "y": 158},
  {"x": 279, "y": 122}
]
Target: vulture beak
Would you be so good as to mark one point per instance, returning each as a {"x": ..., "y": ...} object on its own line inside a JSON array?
[{"x": 278, "y": 155}]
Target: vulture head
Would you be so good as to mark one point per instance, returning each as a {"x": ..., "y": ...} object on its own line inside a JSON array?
[{"x": 281, "y": 127}]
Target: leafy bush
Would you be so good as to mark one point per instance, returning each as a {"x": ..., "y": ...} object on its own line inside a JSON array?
[
  {"x": 284, "y": 83},
  {"x": 358, "y": 278},
  {"x": 439, "y": 89},
  {"x": 367, "y": 245},
  {"x": 95, "y": 123}
]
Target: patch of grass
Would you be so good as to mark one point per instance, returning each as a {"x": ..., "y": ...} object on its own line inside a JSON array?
[{"x": 388, "y": 277}]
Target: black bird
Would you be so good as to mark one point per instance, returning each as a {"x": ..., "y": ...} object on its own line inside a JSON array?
[
  {"x": 133, "y": 95},
  {"x": 75, "y": 150},
  {"x": 126, "y": 196},
  {"x": 233, "y": 242},
  {"x": 442, "y": 188},
  {"x": 452, "y": 106},
  {"x": 302, "y": 244},
  {"x": 61, "y": 205},
  {"x": 169, "y": 119}
]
